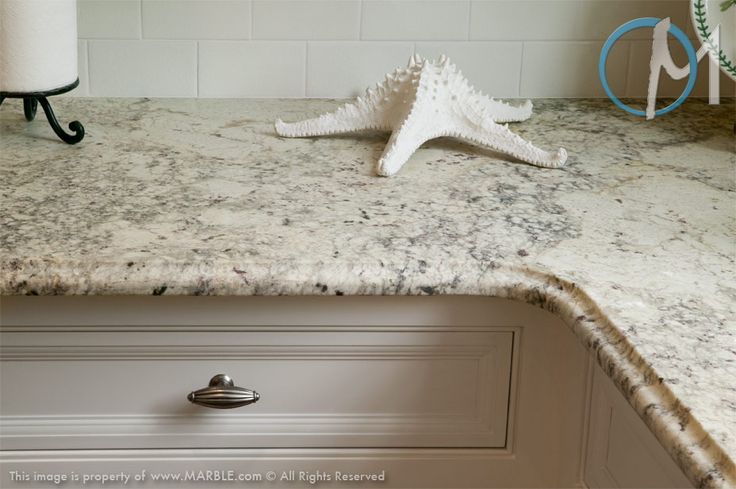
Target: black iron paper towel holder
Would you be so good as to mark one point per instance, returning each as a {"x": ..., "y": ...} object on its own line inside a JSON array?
[{"x": 30, "y": 104}]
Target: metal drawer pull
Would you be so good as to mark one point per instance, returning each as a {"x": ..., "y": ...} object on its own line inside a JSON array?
[{"x": 222, "y": 394}]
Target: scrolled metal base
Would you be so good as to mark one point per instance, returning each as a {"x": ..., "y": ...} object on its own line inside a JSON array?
[
  {"x": 76, "y": 127},
  {"x": 29, "y": 108},
  {"x": 30, "y": 105}
]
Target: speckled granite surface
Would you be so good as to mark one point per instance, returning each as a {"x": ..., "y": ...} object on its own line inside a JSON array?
[{"x": 633, "y": 244}]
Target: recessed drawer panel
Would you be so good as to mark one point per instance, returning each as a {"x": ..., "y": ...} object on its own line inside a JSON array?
[{"x": 360, "y": 386}]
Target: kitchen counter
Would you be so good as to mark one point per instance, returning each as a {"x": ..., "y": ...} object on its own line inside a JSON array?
[{"x": 632, "y": 244}]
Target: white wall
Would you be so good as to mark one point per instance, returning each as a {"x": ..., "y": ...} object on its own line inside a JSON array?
[{"x": 335, "y": 48}]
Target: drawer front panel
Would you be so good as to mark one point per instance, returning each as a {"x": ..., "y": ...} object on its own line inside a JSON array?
[{"x": 319, "y": 387}]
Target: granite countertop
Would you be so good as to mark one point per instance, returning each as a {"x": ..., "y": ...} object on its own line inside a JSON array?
[{"x": 632, "y": 244}]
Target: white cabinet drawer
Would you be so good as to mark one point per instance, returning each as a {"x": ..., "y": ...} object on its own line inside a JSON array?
[
  {"x": 326, "y": 386},
  {"x": 416, "y": 387}
]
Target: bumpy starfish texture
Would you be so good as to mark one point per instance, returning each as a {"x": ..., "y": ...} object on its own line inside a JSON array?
[{"x": 427, "y": 100}]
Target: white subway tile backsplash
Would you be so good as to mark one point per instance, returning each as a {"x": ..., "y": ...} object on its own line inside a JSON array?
[
  {"x": 196, "y": 19},
  {"x": 306, "y": 19},
  {"x": 415, "y": 19},
  {"x": 493, "y": 67},
  {"x": 334, "y": 48},
  {"x": 346, "y": 69},
  {"x": 109, "y": 19},
  {"x": 529, "y": 20},
  {"x": 251, "y": 68},
  {"x": 143, "y": 68},
  {"x": 570, "y": 69}
]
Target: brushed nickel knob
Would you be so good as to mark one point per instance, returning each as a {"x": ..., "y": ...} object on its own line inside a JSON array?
[{"x": 223, "y": 394}]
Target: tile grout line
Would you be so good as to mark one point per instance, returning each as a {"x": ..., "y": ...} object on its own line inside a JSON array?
[
  {"x": 627, "y": 79},
  {"x": 89, "y": 72},
  {"x": 306, "y": 67},
  {"x": 361, "y": 15},
  {"x": 251, "y": 34},
  {"x": 470, "y": 17},
  {"x": 521, "y": 68}
]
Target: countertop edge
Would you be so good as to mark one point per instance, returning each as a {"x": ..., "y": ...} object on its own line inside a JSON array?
[{"x": 700, "y": 457}]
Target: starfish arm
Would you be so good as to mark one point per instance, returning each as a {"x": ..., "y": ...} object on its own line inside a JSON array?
[
  {"x": 346, "y": 119},
  {"x": 500, "y": 138},
  {"x": 375, "y": 110},
  {"x": 403, "y": 143},
  {"x": 502, "y": 112}
]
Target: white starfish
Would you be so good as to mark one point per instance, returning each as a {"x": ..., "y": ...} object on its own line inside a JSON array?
[{"x": 427, "y": 100}]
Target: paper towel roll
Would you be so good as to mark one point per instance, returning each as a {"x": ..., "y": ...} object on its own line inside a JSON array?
[{"x": 38, "y": 44}]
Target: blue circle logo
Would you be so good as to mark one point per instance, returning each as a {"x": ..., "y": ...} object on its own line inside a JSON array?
[{"x": 639, "y": 24}]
